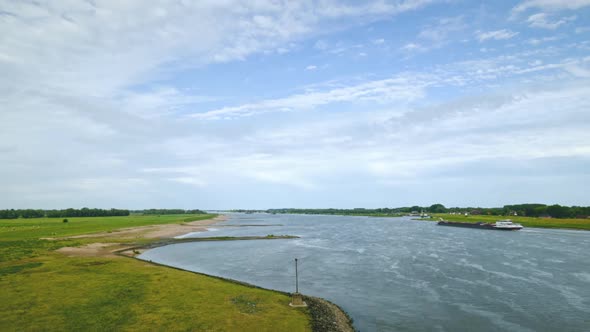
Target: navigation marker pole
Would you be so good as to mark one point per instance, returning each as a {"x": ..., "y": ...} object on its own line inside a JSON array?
[
  {"x": 297, "y": 299},
  {"x": 296, "y": 278}
]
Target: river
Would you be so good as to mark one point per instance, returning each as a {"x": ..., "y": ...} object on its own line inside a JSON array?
[{"x": 398, "y": 274}]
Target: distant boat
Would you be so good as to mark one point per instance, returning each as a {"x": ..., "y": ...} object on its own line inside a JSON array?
[{"x": 502, "y": 225}]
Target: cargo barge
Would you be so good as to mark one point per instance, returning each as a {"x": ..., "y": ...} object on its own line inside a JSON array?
[{"x": 503, "y": 225}]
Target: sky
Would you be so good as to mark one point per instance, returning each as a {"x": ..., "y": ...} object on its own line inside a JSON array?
[{"x": 222, "y": 104}]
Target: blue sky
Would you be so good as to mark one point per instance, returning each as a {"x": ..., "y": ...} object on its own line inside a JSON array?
[{"x": 266, "y": 104}]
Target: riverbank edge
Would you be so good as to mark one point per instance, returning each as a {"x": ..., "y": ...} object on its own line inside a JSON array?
[
  {"x": 134, "y": 249},
  {"x": 517, "y": 221},
  {"x": 584, "y": 228},
  {"x": 325, "y": 316}
]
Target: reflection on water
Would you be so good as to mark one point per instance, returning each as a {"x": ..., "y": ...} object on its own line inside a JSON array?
[{"x": 403, "y": 275}]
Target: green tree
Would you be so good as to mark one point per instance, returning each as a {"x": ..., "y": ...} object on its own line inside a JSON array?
[{"x": 437, "y": 208}]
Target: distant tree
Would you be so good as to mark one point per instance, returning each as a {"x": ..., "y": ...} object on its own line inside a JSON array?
[
  {"x": 437, "y": 208},
  {"x": 195, "y": 211},
  {"x": 558, "y": 211},
  {"x": 8, "y": 214},
  {"x": 86, "y": 212}
]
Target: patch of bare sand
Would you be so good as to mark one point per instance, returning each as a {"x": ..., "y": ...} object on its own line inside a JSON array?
[
  {"x": 156, "y": 231},
  {"x": 100, "y": 249},
  {"x": 97, "y": 249}
]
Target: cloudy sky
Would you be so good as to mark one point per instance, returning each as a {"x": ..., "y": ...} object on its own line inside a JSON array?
[{"x": 260, "y": 104}]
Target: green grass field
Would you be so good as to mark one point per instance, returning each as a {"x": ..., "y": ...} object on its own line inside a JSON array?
[
  {"x": 55, "y": 227},
  {"x": 582, "y": 224},
  {"x": 20, "y": 238},
  {"x": 43, "y": 290}
]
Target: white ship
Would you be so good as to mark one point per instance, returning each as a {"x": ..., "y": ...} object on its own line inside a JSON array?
[{"x": 507, "y": 224}]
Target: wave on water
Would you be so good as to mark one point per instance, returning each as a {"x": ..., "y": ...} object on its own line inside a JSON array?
[
  {"x": 195, "y": 234},
  {"x": 555, "y": 260},
  {"x": 301, "y": 243},
  {"x": 494, "y": 318},
  {"x": 583, "y": 276},
  {"x": 465, "y": 263},
  {"x": 187, "y": 235},
  {"x": 558, "y": 232}
]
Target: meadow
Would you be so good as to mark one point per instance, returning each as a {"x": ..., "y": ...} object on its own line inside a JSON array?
[{"x": 45, "y": 290}]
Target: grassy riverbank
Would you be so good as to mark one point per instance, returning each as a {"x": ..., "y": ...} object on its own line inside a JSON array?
[
  {"x": 43, "y": 289},
  {"x": 582, "y": 224}
]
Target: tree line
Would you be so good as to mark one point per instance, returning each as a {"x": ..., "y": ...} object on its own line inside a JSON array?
[
  {"x": 87, "y": 212},
  {"x": 528, "y": 210},
  {"x": 331, "y": 211},
  {"x": 168, "y": 211},
  {"x": 84, "y": 212},
  {"x": 554, "y": 211}
]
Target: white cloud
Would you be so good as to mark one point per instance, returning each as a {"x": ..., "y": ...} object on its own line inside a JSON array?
[
  {"x": 551, "y": 5},
  {"x": 311, "y": 67},
  {"x": 515, "y": 126},
  {"x": 466, "y": 131},
  {"x": 401, "y": 89},
  {"x": 102, "y": 130},
  {"x": 335, "y": 9},
  {"x": 378, "y": 41},
  {"x": 261, "y": 167},
  {"x": 189, "y": 180},
  {"x": 106, "y": 183},
  {"x": 77, "y": 42},
  {"x": 320, "y": 45},
  {"x": 99, "y": 50},
  {"x": 538, "y": 41},
  {"x": 163, "y": 101},
  {"x": 541, "y": 20},
  {"x": 412, "y": 47},
  {"x": 578, "y": 70},
  {"x": 495, "y": 35},
  {"x": 439, "y": 31}
]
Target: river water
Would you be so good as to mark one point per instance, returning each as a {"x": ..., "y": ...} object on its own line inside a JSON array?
[{"x": 397, "y": 274}]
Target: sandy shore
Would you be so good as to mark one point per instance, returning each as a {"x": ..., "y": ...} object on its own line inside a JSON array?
[
  {"x": 157, "y": 231},
  {"x": 145, "y": 232}
]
